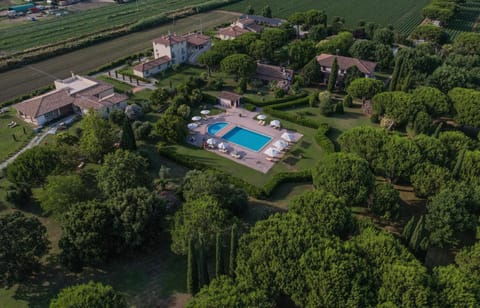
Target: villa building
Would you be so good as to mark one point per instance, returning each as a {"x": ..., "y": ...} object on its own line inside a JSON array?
[
  {"x": 172, "y": 49},
  {"x": 246, "y": 24},
  {"x": 77, "y": 94},
  {"x": 344, "y": 63}
]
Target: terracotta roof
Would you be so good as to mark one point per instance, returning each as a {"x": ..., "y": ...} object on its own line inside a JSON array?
[
  {"x": 197, "y": 39},
  {"x": 232, "y": 31},
  {"x": 169, "y": 40},
  {"x": 96, "y": 89},
  {"x": 91, "y": 102},
  {"x": 142, "y": 67},
  {"x": 246, "y": 21},
  {"x": 366, "y": 67},
  {"x": 229, "y": 96},
  {"x": 45, "y": 103},
  {"x": 272, "y": 72}
]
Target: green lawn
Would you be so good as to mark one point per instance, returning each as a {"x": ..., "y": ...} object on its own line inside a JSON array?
[
  {"x": 303, "y": 155},
  {"x": 403, "y": 14},
  {"x": 339, "y": 123},
  {"x": 175, "y": 78},
  {"x": 118, "y": 85},
  {"x": 23, "y": 133}
]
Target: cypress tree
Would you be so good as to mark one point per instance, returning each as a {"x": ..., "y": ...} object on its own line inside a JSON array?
[
  {"x": 438, "y": 130},
  {"x": 407, "y": 82},
  {"x": 396, "y": 74},
  {"x": 332, "y": 79},
  {"x": 459, "y": 163},
  {"x": 401, "y": 74},
  {"x": 218, "y": 256},
  {"x": 418, "y": 235},
  {"x": 127, "y": 141},
  {"x": 203, "y": 266},
  {"x": 408, "y": 230},
  {"x": 192, "y": 271},
  {"x": 233, "y": 250}
]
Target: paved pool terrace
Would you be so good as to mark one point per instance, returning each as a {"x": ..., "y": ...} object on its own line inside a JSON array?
[{"x": 249, "y": 158}]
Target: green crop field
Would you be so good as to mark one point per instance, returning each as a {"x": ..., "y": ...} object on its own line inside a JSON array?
[
  {"x": 55, "y": 29},
  {"x": 465, "y": 19},
  {"x": 403, "y": 14}
]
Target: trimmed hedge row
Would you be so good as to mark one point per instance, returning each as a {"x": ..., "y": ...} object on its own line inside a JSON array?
[
  {"x": 135, "y": 76},
  {"x": 322, "y": 140},
  {"x": 249, "y": 107},
  {"x": 274, "y": 101},
  {"x": 250, "y": 189}
]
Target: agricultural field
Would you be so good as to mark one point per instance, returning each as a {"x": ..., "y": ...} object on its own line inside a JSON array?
[
  {"x": 28, "y": 78},
  {"x": 465, "y": 20},
  {"x": 77, "y": 24},
  {"x": 403, "y": 14}
]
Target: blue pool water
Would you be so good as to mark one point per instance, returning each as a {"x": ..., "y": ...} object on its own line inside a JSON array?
[
  {"x": 215, "y": 128},
  {"x": 247, "y": 138}
]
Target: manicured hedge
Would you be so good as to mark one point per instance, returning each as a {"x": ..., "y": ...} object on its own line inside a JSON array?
[
  {"x": 273, "y": 101},
  {"x": 249, "y": 107},
  {"x": 322, "y": 140}
]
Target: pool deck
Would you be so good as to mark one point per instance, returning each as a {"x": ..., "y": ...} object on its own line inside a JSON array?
[{"x": 255, "y": 160}]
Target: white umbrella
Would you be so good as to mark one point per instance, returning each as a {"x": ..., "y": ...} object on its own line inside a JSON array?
[
  {"x": 288, "y": 137},
  {"x": 205, "y": 112},
  {"x": 272, "y": 152},
  {"x": 212, "y": 141},
  {"x": 261, "y": 117},
  {"x": 275, "y": 123},
  {"x": 192, "y": 125},
  {"x": 196, "y": 118},
  {"x": 280, "y": 144},
  {"x": 223, "y": 146}
]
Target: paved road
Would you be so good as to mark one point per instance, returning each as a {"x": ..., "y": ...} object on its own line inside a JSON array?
[{"x": 25, "y": 79}]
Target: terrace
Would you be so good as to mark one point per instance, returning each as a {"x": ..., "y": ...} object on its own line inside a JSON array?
[{"x": 252, "y": 157}]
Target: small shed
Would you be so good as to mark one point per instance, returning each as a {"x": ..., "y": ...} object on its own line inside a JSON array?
[{"x": 229, "y": 99}]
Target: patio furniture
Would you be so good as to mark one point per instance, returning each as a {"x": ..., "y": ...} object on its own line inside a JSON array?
[
  {"x": 236, "y": 154},
  {"x": 288, "y": 137}
]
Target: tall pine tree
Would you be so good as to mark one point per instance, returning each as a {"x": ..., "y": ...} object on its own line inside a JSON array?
[
  {"x": 219, "y": 267},
  {"x": 332, "y": 79},
  {"x": 203, "y": 266},
  {"x": 127, "y": 141},
  {"x": 233, "y": 250},
  {"x": 192, "y": 270},
  {"x": 417, "y": 241}
]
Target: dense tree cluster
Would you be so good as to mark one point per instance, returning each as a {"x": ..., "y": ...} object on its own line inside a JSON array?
[{"x": 94, "y": 295}]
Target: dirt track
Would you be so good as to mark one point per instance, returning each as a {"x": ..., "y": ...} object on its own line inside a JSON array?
[{"x": 23, "y": 80}]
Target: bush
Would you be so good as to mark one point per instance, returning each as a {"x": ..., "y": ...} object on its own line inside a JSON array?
[
  {"x": 348, "y": 101},
  {"x": 339, "y": 108},
  {"x": 322, "y": 140},
  {"x": 249, "y": 107},
  {"x": 386, "y": 201}
]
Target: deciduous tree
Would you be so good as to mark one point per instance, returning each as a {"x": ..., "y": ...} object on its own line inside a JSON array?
[
  {"x": 92, "y": 295},
  {"x": 23, "y": 241},
  {"x": 98, "y": 136}
]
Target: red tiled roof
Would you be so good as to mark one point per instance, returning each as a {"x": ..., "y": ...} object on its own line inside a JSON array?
[
  {"x": 45, "y": 103},
  {"x": 272, "y": 72},
  {"x": 169, "y": 40},
  {"x": 232, "y": 31},
  {"x": 96, "y": 89},
  {"x": 91, "y": 102},
  {"x": 366, "y": 67},
  {"x": 142, "y": 67},
  {"x": 197, "y": 39},
  {"x": 229, "y": 96}
]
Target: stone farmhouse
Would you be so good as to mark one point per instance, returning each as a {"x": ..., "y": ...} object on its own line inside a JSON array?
[
  {"x": 246, "y": 24},
  {"x": 326, "y": 61},
  {"x": 76, "y": 94},
  {"x": 172, "y": 49}
]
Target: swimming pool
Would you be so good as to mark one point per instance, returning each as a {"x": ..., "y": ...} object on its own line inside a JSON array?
[
  {"x": 215, "y": 128},
  {"x": 247, "y": 138}
]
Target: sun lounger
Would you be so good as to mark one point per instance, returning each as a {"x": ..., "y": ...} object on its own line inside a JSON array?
[
  {"x": 235, "y": 155},
  {"x": 270, "y": 158}
]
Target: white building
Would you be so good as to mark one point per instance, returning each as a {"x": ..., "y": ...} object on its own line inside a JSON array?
[
  {"x": 74, "y": 94},
  {"x": 172, "y": 49}
]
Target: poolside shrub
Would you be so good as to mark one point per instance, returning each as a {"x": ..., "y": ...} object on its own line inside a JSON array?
[
  {"x": 249, "y": 107},
  {"x": 322, "y": 140}
]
